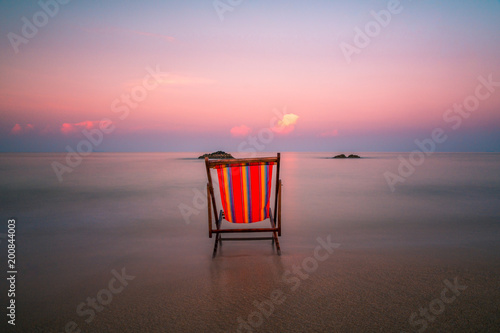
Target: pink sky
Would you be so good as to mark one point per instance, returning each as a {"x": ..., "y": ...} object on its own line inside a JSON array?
[{"x": 226, "y": 78}]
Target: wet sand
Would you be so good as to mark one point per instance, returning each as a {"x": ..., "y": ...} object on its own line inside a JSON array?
[{"x": 367, "y": 284}]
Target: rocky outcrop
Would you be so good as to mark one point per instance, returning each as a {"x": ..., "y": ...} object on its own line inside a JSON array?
[
  {"x": 217, "y": 155},
  {"x": 343, "y": 156}
]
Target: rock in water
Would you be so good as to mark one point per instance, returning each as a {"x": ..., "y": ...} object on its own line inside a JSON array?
[
  {"x": 343, "y": 156},
  {"x": 217, "y": 155}
]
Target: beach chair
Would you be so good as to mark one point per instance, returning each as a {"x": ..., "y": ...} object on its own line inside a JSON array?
[{"x": 245, "y": 191}]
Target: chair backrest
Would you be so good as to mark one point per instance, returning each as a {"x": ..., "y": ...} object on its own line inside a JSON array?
[{"x": 245, "y": 187}]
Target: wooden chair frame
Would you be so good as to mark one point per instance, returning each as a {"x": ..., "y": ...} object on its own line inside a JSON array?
[{"x": 275, "y": 219}]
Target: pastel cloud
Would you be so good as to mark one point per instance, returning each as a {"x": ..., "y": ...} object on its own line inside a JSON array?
[
  {"x": 69, "y": 128},
  {"x": 286, "y": 124},
  {"x": 18, "y": 129},
  {"x": 240, "y": 131},
  {"x": 329, "y": 133}
]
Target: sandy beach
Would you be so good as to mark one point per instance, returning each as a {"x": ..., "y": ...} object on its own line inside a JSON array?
[{"x": 177, "y": 287}]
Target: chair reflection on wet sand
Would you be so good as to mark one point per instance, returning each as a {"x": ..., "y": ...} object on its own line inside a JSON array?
[{"x": 245, "y": 191}]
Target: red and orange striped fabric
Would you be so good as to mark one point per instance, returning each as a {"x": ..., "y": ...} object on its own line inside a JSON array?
[{"x": 245, "y": 191}]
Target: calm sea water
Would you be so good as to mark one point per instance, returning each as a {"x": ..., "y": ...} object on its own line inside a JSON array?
[
  {"x": 119, "y": 190},
  {"x": 126, "y": 210}
]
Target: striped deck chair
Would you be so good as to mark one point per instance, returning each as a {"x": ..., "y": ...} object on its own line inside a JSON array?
[{"x": 245, "y": 193}]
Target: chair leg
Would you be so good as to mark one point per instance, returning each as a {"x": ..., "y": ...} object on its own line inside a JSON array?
[
  {"x": 215, "y": 245},
  {"x": 275, "y": 236},
  {"x": 275, "y": 239},
  {"x": 217, "y": 235}
]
